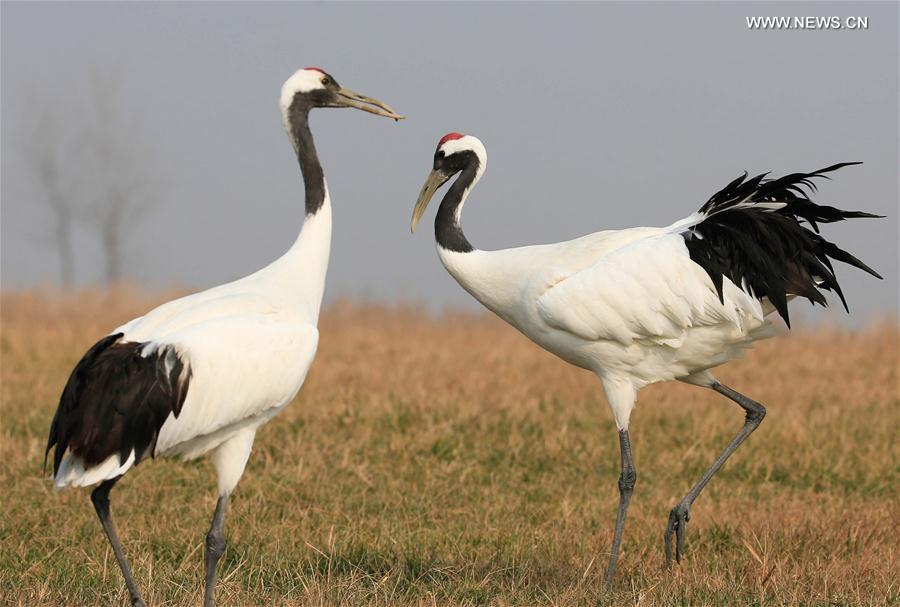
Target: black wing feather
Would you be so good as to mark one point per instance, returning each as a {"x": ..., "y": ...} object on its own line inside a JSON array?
[
  {"x": 770, "y": 250},
  {"x": 116, "y": 401}
]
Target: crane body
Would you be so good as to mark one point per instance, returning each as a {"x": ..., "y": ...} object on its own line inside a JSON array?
[{"x": 600, "y": 336}]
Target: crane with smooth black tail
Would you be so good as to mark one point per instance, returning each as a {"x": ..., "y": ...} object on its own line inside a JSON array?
[{"x": 202, "y": 373}]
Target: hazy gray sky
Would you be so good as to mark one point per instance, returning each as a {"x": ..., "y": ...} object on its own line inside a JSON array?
[{"x": 595, "y": 116}]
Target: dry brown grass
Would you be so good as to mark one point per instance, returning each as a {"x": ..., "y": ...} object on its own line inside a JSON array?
[{"x": 449, "y": 461}]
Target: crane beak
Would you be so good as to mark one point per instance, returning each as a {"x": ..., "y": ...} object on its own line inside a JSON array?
[
  {"x": 435, "y": 180},
  {"x": 348, "y": 98}
]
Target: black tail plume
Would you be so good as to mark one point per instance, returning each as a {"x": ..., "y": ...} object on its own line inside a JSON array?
[{"x": 752, "y": 232}]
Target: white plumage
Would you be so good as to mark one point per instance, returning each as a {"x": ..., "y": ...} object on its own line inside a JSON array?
[
  {"x": 249, "y": 344},
  {"x": 645, "y": 305},
  {"x": 627, "y": 305}
]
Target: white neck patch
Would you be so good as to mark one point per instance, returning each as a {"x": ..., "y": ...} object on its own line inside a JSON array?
[
  {"x": 470, "y": 144},
  {"x": 303, "y": 81},
  {"x": 467, "y": 143}
]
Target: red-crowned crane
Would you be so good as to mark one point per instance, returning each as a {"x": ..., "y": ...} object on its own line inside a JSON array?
[
  {"x": 202, "y": 373},
  {"x": 645, "y": 305}
]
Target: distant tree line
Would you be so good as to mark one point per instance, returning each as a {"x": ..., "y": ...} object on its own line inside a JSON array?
[{"x": 89, "y": 165}]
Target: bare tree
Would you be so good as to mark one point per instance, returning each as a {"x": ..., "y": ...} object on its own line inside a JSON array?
[
  {"x": 121, "y": 180},
  {"x": 94, "y": 166},
  {"x": 45, "y": 154}
]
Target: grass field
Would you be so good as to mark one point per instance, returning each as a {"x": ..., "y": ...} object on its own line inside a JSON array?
[{"x": 448, "y": 461}]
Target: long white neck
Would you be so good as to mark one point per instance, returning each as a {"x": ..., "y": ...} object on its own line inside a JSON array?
[
  {"x": 299, "y": 275},
  {"x": 484, "y": 274},
  {"x": 300, "y": 272}
]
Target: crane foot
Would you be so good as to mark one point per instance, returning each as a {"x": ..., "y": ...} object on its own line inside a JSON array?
[{"x": 678, "y": 519}]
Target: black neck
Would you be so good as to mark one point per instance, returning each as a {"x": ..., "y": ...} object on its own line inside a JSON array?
[
  {"x": 447, "y": 230},
  {"x": 313, "y": 176}
]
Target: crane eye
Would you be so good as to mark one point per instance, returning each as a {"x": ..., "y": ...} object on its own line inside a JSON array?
[{"x": 326, "y": 81}]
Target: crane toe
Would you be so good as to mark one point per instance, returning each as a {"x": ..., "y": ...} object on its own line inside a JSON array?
[{"x": 677, "y": 525}]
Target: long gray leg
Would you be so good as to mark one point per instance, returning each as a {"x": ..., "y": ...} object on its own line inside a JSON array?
[
  {"x": 626, "y": 488},
  {"x": 680, "y": 514},
  {"x": 215, "y": 548},
  {"x": 100, "y": 498}
]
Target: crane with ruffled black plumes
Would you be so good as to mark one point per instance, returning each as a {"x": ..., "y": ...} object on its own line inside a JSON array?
[
  {"x": 199, "y": 375},
  {"x": 645, "y": 305}
]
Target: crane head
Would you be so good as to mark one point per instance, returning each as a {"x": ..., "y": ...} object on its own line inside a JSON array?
[
  {"x": 454, "y": 153},
  {"x": 313, "y": 87}
]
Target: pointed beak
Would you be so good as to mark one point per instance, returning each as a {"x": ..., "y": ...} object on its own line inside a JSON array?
[
  {"x": 348, "y": 98},
  {"x": 435, "y": 180}
]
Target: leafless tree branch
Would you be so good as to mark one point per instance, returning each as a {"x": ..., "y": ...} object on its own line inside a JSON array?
[{"x": 92, "y": 165}]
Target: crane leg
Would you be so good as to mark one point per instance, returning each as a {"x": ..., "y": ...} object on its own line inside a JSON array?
[
  {"x": 215, "y": 548},
  {"x": 100, "y": 498},
  {"x": 626, "y": 487},
  {"x": 680, "y": 514}
]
